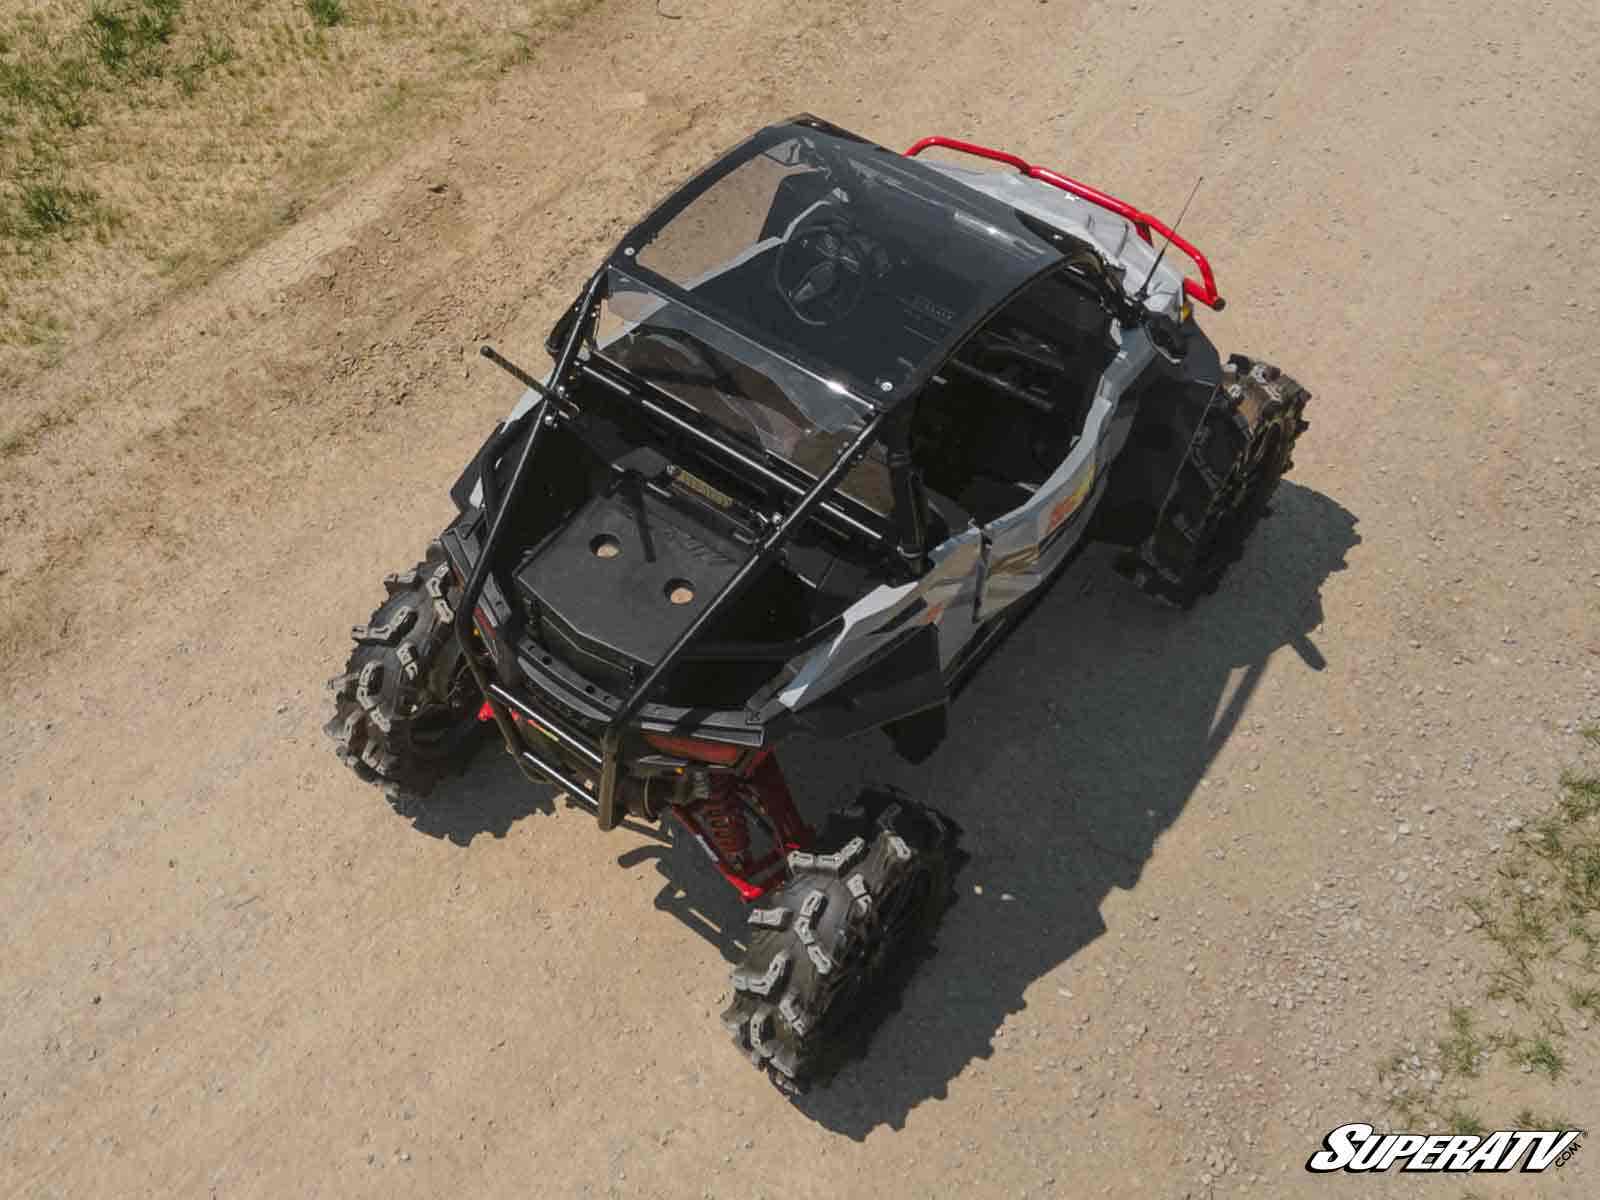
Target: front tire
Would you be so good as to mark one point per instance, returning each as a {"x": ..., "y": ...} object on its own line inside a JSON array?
[
  {"x": 405, "y": 707},
  {"x": 828, "y": 946},
  {"x": 1242, "y": 448}
]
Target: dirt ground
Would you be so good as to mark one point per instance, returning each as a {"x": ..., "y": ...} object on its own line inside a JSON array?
[{"x": 1216, "y": 857}]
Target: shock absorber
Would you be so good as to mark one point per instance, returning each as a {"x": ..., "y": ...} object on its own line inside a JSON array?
[
  {"x": 727, "y": 825},
  {"x": 717, "y": 811}
]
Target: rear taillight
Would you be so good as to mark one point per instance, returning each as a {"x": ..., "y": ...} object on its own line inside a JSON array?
[{"x": 718, "y": 753}]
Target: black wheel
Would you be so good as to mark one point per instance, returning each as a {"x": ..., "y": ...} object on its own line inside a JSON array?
[
  {"x": 405, "y": 708},
  {"x": 1241, "y": 449},
  {"x": 830, "y": 949}
]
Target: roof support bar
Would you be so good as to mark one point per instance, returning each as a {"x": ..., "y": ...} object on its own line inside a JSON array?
[{"x": 727, "y": 450}]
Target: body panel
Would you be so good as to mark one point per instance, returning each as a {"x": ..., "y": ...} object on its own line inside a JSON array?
[{"x": 1028, "y": 543}]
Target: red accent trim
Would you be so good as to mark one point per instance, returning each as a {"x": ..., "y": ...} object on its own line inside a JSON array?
[
  {"x": 748, "y": 892},
  {"x": 761, "y": 787},
  {"x": 720, "y": 753},
  {"x": 772, "y": 792},
  {"x": 1143, "y": 223}
]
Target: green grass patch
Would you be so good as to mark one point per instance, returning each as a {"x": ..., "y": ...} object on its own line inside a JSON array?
[
  {"x": 48, "y": 207},
  {"x": 1463, "y": 1122},
  {"x": 129, "y": 37},
  {"x": 1460, "y": 1049},
  {"x": 34, "y": 210},
  {"x": 1542, "y": 1055},
  {"x": 1580, "y": 796},
  {"x": 326, "y": 13},
  {"x": 216, "y": 50}
]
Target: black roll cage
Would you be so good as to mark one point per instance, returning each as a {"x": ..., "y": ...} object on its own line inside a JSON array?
[
  {"x": 906, "y": 544},
  {"x": 500, "y": 700}
]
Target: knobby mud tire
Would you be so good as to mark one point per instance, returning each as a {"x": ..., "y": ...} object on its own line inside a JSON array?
[
  {"x": 405, "y": 707},
  {"x": 1244, "y": 445},
  {"x": 831, "y": 950}
]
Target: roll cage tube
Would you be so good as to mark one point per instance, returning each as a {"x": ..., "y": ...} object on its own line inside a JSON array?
[
  {"x": 557, "y": 390},
  {"x": 611, "y": 739},
  {"x": 639, "y": 391},
  {"x": 910, "y": 501}
]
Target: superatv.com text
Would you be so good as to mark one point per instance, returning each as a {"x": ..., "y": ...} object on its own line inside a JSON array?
[{"x": 1357, "y": 1147}]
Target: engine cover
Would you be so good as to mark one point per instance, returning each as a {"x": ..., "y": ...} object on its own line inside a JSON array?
[{"x": 618, "y": 583}]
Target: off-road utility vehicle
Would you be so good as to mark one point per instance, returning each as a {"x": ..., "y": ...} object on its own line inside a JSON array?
[{"x": 816, "y": 433}]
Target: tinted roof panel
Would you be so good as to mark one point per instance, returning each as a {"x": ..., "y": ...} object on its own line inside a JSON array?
[{"x": 862, "y": 266}]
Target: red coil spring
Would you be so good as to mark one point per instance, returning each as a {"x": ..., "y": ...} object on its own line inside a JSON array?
[{"x": 726, "y": 823}]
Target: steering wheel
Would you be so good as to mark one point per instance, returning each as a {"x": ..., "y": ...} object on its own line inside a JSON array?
[{"x": 821, "y": 270}]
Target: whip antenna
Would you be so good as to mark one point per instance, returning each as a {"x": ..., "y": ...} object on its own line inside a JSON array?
[{"x": 1144, "y": 288}]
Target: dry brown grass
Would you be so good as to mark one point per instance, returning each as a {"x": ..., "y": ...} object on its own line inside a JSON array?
[{"x": 145, "y": 142}]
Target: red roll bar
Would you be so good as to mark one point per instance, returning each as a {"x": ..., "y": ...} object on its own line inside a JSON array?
[{"x": 1205, "y": 291}]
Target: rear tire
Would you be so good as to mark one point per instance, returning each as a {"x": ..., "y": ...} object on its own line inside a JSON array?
[
  {"x": 405, "y": 708},
  {"x": 1242, "y": 448},
  {"x": 830, "y": 948}
]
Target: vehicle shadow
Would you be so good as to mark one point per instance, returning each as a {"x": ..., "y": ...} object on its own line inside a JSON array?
[
  {"x": 1070, "y": 753},
  {"x": 489, "y": 799}
]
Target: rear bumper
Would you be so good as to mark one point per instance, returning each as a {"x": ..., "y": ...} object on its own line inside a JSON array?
[{"x": 562, "y": 715}]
